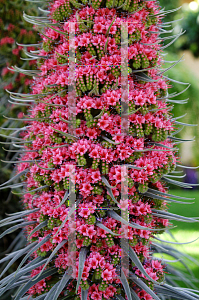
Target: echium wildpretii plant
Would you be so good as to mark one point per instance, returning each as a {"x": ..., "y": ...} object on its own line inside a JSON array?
[{"x": 98, "y": 147}]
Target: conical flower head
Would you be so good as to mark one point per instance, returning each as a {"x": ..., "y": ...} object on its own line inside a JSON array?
[{"x": 97, "y": 151}]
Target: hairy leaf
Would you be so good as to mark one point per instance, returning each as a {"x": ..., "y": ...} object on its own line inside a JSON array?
[
  {"x": 133, "y": 256},
  {"x": 107, "y": 229},
  {"x": 165, "y": 199},
  {"x": 175, "y": 243},
  {"x": 69, "y": 214},
  {"x": 175, "y": 292},
  {"x": 170, "y": 216},
  {"x": 38, "y": 227},
  {"x": 63, "y": 200},
  {"x": 59, "y": 246},
  {"x": 119, "y": 297},
  {"x": 152, "y": 191},
  {"x": 82, "y": 258},
  {"x": 134, "y": 295},
  {"x": 37, "y": 246},
  {"x": 18, "y": 215},
  {"x": 125, "y": 284},
  {"x": 111, "y": 194},
  {"x": 34, "y": 280},
  {"x": 105, "y": 181},
  {"x": 84, "y": 294},
  {"x": 143, "y": 286},
  {"x": 115, "y": 216},
  {"x": 15, "y": 177},
  {"x": 14, "y": 228},
  {"x": 19, "y": 254},
  {"x": 8, "y": 282},
  {"x": 62, "y": 283}
]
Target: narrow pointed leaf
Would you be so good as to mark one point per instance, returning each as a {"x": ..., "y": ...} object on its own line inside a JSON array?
[
  {"x": 65, "y": 134},
  {"x": 152, "y": 191},
  {"x": 186, "y": 167},
  {"x": 13, "y": 186},
  {"x": 175, "y": 176},
  {"x": 110, "y": 141},
  {"x": 71, "y": 211},
  {"x": 168, "y": 215},
  {"x": 51, "y": 293},
  {"x": 59, "y": 246},
  {"x": 107, "y": 229},
  {"x": 41, "y": 297},
  {"x": 125, "y": 284},
  {"x": 63, "y": 200},
  {"x": 12, "y": 222},
  {"x": 38, "y": 227},
  {"x": 14, "y": 177},
  {"x": 143, "y": 286},
  {"x": 135, "y": 167},
  {"x": 19, "y": 254},
  {"x": 175, "y": 243},
  {"x": 108, "y": 30},
  {"x": 14, "y": 228},
  {"x": 112, "y": 196},
  {"x": 119, "y": 297},
  {"x": 34, "y": 280},
  {"x": 105, "y": 181},
  {"x": 134, "y": 295},
  {"x": 173, "y": 80},
  {"x": 115, "y": 216},
  {"x": 10, "y": 280},
  {"x": 82, "y": 258},
  {"x": 37, "y": 246},
  {"x": 178, "y": 183},
  {"x": 165, "y": 199},
  {"x": 21, "y": 213},
  {"x": 84, "y": 294},
  {"x": 133, "y": 256},
  {"x": 177, "y": 36},
  {"x": 185, "y": 124},
  {"x": 36, "y": 190},
  {"x": 179, "y": 294},
  {"x": 63, "y": 282}
]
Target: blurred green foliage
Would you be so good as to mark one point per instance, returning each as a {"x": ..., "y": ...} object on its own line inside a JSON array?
[
  {"x": 169, "y": 5},
  {"x": 190, "y": 40},
  {"x": 186, "y": 232}
]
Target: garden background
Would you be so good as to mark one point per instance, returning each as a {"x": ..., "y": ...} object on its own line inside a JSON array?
[{"x": 12, "y": 30}]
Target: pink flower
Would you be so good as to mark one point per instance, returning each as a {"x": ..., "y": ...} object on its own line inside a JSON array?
[
  {"x": 90, "y": 231},
  {"x": 106, "y": 275},
  {"x": 86, "y": 188},
  {"x": 83, "y": 229},
  {"x": 144, "y": 295},
  {"x": 96, "y": 176},
  {"x": 104, "y": 121},
  {"x": 140, "y": 100},
  {"x": 96, "y": 296},
  {"x": 156, "y": 265},
  {"x": 84, "y": 212},
  {"x": 93, "y": 262},
  {"x": 98, "y": 28}
]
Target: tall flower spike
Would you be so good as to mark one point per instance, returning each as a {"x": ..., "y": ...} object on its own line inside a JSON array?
[{"x": 99, "y": 150}]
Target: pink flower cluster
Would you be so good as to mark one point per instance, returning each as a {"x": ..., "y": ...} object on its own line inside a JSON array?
[{"x": 97, "y": 149}]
